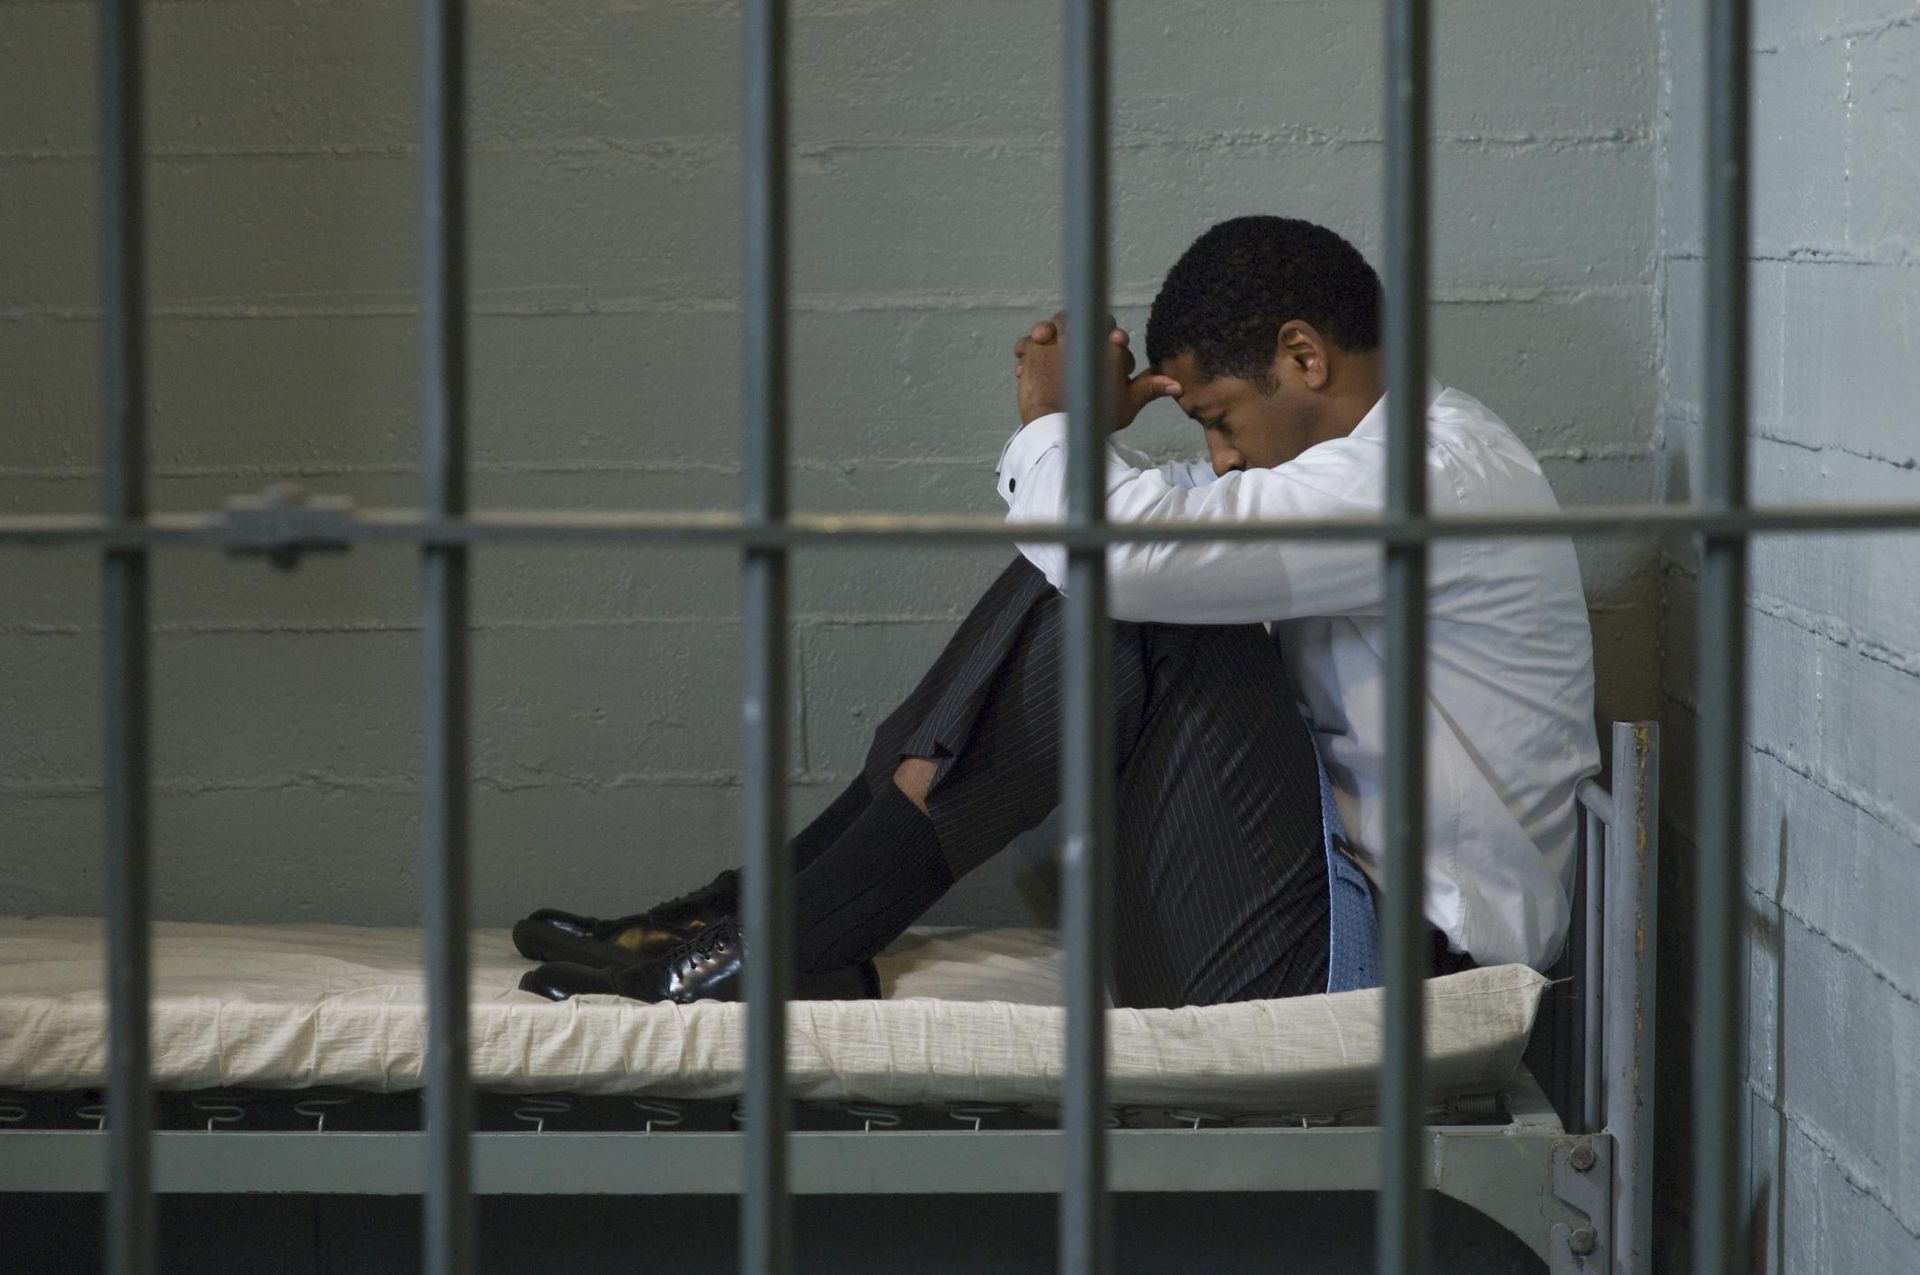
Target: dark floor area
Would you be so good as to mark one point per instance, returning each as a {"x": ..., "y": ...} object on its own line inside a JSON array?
[{"x": 1165, "y": 1234}]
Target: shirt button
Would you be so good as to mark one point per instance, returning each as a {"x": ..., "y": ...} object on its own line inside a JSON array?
[{"x": 1012, "y": 483}]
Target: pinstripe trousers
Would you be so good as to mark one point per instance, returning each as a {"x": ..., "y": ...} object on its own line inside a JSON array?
[{"x": 1219, "y": 873}]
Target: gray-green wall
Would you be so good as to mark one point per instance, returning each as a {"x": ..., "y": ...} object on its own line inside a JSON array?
[
  {"x": 1833, "y": 809},
  {"x": 606, "y": 174}
]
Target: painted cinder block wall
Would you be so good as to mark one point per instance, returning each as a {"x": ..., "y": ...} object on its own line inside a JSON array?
[
  {"x": 1833, "y": 809},
  {"x": 605, "y": 236}
]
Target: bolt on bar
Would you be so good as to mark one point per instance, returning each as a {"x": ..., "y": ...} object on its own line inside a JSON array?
[
  {"x": 1401, "y": 1227},
  {"x": 124, "y": 598},
  {"x": 448, "y": 1218},
  {"x": 766, "y": 1209},
  {"x": 1719, "y": 1237},
  {"x": 1087, "y": 733}
]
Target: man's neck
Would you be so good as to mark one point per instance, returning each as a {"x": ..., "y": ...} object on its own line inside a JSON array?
[{"x": 1356, "y": 387}]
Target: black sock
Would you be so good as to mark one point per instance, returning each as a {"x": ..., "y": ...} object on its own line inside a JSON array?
[
  {"x": 863, "y": 891},
  {"x": 812, "y": 841}
]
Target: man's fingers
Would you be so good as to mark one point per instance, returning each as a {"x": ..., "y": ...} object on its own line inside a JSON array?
[{"x": 1149, "y": 385}]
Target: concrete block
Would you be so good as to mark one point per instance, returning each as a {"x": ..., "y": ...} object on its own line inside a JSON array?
[
  {"x": 1867, "y": 731},
  {"x": 294, "y": 77},
  {"x": 1852, "y": 587},
  {"x": 1567, "y": 372},
  {"x": 602, "y": 850},
  {"x": 1861, "y": 390},
  {"x": 1682, "y": 124},
  {"x": 1832, "y": 1223},
  {"x": 1799, "y": 163},
  {"x": 1563, "y": 66},
  {"x": 46, "y": 234},
  {"x": 50, "y": 698},
  {"x": 47, "y": 96},
  {"x": 854, "y": 675},
  {"x": 51, "y": 369},
  {"x": 49, "y": 587},
  {"x": 1686, "y": 324},
  {"x": 1842, "y": 870},
  {"x": 1883, "y": 146},
  {"x": 1848, "y": 1076},
  {"x": 1602, "y": 191},
  {"x": 598, "y": 703},
  {"x": 54, "y": 857},
  {"x": 1783, "y": 23},
  {"x": 552, "y": 705},
  {"x": 1787, "y": 678},
  {"x": 1873, "y": 594},
  {"x": 252, "y": 710}
]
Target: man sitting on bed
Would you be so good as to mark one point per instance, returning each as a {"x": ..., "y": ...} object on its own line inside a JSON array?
[{"x": 1233, "y": 662}]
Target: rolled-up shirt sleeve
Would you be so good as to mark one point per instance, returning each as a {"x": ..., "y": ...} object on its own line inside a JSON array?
[{"x": 1223, "y": 582}]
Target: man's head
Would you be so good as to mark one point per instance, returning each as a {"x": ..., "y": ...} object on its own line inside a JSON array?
[{"x": 1272, "y": 328}]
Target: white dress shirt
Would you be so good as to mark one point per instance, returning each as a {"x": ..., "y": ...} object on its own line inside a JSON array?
[{"x": 1510, "y": 729}]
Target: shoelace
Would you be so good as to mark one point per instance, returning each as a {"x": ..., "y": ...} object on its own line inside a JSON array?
[{"x": 709, "y": 939}]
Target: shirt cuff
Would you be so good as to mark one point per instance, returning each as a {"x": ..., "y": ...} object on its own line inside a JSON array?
[{"x": 1024, "y": 450}]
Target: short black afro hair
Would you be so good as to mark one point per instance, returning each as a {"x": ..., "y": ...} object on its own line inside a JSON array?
[{"x": 1226, "y": 297}]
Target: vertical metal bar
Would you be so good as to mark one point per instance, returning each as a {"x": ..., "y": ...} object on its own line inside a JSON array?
[
  {"x": 444, "y": 819},
  {"x": 766, "y": 1209},
  {"x": 1402, "y": 1205},
  {"x": 124, "y": 593},
  {"x": 1719, "y": 1238},
  {"x": 1631, "y": 931},
  {"x": 1087, "y": 759},
  {"x": 1593, "y": 979}
]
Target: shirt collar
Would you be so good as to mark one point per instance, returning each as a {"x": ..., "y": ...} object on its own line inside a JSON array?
[{"x": 1374, "y": 423}]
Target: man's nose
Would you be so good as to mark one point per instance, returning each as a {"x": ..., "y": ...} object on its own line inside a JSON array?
[{"x": 1225, "y": 461}]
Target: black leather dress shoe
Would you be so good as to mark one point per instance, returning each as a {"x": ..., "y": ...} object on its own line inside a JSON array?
[
  {"x": 710, "y": 966},
  {"x": 553, "y": 935}
]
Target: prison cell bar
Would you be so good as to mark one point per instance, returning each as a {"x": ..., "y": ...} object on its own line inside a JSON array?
[
  {"x": 1720, "y": 768},
  {"x": 448, "y": 1217},
  {"x": 1400, "y": 1226},
  {"x": 1087, "y": 753},
  {"x": 766, "y": 1207},
  {"x": 124, "y": 594},
  {"x": 803, "y": 530}
]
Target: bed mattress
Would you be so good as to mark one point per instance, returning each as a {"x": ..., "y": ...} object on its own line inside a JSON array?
[{"x": 967, "y": 1016}]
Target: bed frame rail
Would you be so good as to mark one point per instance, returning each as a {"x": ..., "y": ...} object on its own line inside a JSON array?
[{"x": 1613, "y": 948}]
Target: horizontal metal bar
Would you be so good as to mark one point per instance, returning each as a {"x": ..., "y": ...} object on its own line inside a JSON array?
[
  {"x": 1027, "y": 1161},
  {"x": 1596, "y": 799},
  {"x": 858, "y": 530}
]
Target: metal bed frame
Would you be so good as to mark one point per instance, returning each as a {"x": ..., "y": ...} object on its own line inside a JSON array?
[
  {"x": 1573, "y": 1191},
  {"x": 1399, "y": 1156}
]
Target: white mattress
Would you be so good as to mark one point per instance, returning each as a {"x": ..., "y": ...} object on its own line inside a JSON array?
[{"x": 969, "y": 1015}]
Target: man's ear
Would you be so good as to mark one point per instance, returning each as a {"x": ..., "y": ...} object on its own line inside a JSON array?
[{"x": 1300, "y": 354}]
